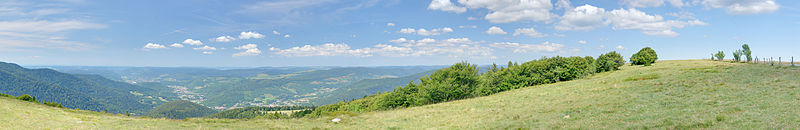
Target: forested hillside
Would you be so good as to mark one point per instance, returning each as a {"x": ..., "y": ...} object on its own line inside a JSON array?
[
  {"x": 88, "y": 92},
  {"x": 243, "y": 87}
]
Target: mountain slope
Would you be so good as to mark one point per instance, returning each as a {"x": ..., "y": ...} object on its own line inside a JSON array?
[
  {"x": 668, "y": 95},
  {"x": 369, "y": 87},
  {"x": 88, "y": 92}
]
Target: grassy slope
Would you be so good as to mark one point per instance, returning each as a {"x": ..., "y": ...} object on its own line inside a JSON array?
[{"x": 670, "y": 94}]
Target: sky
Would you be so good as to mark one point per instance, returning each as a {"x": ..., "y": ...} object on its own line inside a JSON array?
[{"x": 249, "y": 33}]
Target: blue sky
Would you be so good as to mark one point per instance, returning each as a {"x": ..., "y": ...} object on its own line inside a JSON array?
[{"x": 246, "y": 33}]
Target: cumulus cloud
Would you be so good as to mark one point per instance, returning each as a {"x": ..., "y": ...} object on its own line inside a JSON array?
[
  {"x": 154, "y": 46},
  {"x": 399, "y": 40},
  {"x": 447, "y": 6},
  {"x": 327, "y": 49},
  {"x": 248, "y": 35},
  {"x": 620, "y": 47},
  {"x": 276, "y": 32},
  {"x": 528, "y": 32},
  {"x": 425, "y": 32},
  {"x": 651, "y": 3},
  {"x": 287, "y": 36},
  {"x": 525, "y": 48},
  {"x": 582, "y": 42},
  {"x": 655, "y": 25},
  {"x": 206, "y": 47},
  {"x": 506, "y": 11},
  {"x": 742, "y": 7},
  {"x": 224, "y": 39},
  {"x": 495, "y": 31},
  {"x": 192, "y": 42},
  {"x": 176, "y": 45},
  {"x": 390, "y": 24},
  {"x": 250, "y": 50},
  {"x": 584, "y": 17},
  {"x": 454, "y": 47}
]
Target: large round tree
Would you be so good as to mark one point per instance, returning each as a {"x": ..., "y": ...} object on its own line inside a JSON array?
[{"x": 645, "y": 57}]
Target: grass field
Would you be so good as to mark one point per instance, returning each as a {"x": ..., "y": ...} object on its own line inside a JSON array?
[{"x": 669, "y": 94}]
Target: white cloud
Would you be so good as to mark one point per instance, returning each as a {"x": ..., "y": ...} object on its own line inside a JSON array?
[
  {"x": 506, "y": 11},
  {"x": 454, "y": 47},
  {"x": 47, "y": 26},
  {"x": 582, "y": 42},
  {"x": 154, "y": 46},
  {"x": 651, "y": 3},
  {"x": 471, "y": 18},
  {"x": 655, "y": 25},
  {"x": 248, "y": 35},
  {"x": 176, "y": 45},
  {"x": 446, "y": 5},
  {"x": 399, "y": 40},
  {"x": 525, "y": 48},
  {"x": 742, "y": 7},
  {"x": 620, "y": 47},
  {"x": 276, "y": 32},
  {"x": 207, "y": 52},
  {"x": 287, "y": 36},
  {"x": 206, "y": 47},
  {"x": 528, "y": 32},
  {"x": 192, "y": 42},
  {"x": 584, "y": 17},
  {"x": 471, "y": 26},
  {"x": 424, "y": 32},
  {"x": 250, "y": 50},
  {"x": 327, "y": 49},
  {"x": 495, "y": 30},
  {"x": 390, "y": 24},
  {"x": 224, "y": 39}
]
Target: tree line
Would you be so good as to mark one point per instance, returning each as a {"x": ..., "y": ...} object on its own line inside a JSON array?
[{"x": 462, "y": 80}]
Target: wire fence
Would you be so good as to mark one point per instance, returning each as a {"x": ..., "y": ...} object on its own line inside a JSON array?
[{"x": 789, "y": 61}]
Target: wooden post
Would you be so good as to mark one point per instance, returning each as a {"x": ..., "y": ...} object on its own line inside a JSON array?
[
  {"x": 792, "y": 60},
  {"x": 780, "y": 62}
]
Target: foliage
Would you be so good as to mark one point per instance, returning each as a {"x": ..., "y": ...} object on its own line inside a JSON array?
[
  {"x": 609, "y": 62},
  {"x": 255, "y": 112},
  {"x": 737, "y": 55},
  {"x": 461, "y": 81},
  {"x": 747, "y": 53},
  {"x": 645, "y": 56},
  {"x": 180, "y": 109},
  {"x": 26, "y": 97},
  {"x": 720, "y": 55}
]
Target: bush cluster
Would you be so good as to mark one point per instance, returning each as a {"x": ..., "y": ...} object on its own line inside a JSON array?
[
  {"x": 462, "y": 80},
  {"x": 645, "y": 56},
  {"x": 609, "y": 62},
  {"x": 29, "y": 98}
]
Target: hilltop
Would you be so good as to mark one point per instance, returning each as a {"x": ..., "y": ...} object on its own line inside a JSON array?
[{"x": 669, "y": 94}]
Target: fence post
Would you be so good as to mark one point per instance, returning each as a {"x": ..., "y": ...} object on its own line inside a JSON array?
[
  {"x": 780, "y": 62},
  {"x": 792, "y": 60}
]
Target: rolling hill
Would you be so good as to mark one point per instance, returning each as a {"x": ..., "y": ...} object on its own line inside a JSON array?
[
  {"x": 689, "y": 94},
  {"x": 88, "y": 92}
]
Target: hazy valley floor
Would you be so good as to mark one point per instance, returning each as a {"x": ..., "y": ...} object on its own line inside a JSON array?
[{"x": 669, "y": 94}]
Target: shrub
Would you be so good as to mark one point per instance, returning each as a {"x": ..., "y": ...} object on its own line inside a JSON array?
[
  {"x": 645, "y": 56},
  {"x": 720, "y": 55},
  {"x": 26, "y": 97},
  {"x": 609, "y": 62}
]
